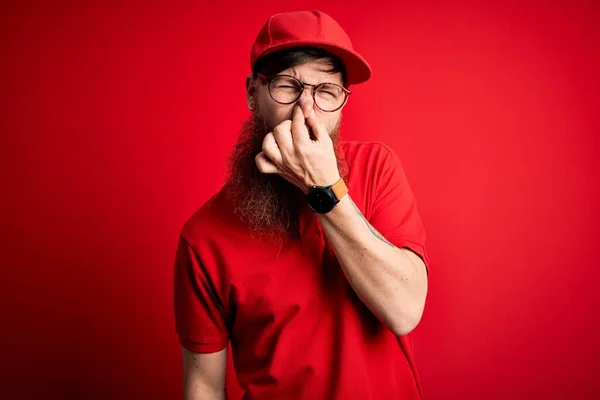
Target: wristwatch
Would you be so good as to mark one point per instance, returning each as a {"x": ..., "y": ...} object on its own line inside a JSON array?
[{"x": 322, "y": 199}]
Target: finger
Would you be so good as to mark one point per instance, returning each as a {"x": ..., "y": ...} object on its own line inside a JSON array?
[
  {"x": 271, "y": 149},
  {"x": 299, "y": 130},
  {"x": 317, "y": 126},
  {"x": 265, "y": 165},
  {"x": 283, "y": 136}
]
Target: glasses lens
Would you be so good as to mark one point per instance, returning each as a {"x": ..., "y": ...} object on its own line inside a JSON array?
[
  {"x": 285, "y": 89},
  {"x": 329, "y": 97}
]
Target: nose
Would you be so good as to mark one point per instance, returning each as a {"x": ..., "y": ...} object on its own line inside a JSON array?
[{"x": 306, "y": 101}]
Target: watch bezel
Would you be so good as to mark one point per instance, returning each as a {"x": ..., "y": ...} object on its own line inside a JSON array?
[{"x": 330, "y": 195}]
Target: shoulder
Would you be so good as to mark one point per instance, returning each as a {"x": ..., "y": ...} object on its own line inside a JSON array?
[
  {"x": 359, "y": 152},
  {"x": 211, "y": 221},
  {"x": 368, "y": 158}
]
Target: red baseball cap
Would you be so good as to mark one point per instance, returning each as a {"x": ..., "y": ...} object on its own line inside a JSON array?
[{"x": 314, "y": 29}]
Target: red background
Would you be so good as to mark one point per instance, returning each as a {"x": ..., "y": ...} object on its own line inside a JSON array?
[{"x": 116, "y": 120}]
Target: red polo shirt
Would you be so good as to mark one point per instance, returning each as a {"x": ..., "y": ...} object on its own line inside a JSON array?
[{"x": 296, "y": 326}]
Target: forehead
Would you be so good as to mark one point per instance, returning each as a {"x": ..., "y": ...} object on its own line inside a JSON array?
[{"x": 314, "y": 72}]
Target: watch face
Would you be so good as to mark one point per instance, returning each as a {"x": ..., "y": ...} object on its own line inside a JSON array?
[{"x": 320, "y": 200}]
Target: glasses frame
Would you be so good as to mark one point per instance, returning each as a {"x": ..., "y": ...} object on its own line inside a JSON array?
[{"x": 303, "y": 85}]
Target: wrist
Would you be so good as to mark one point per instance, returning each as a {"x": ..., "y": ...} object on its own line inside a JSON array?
[{"x": 322, "y": 199}]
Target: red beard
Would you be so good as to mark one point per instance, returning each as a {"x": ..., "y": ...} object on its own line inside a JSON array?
[{"x": 267, "y": 203}]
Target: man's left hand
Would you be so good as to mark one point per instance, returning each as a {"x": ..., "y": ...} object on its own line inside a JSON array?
[{"x": 290, "y": 152}]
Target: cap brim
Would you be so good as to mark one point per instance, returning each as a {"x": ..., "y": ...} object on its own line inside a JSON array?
[{"x": 357, "y": 68}]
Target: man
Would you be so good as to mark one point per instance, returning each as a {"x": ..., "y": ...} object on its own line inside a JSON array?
[{"x": 310, "y": 261}]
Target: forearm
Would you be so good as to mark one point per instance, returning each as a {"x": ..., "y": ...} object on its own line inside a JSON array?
[{"x": 391, "y": 281}]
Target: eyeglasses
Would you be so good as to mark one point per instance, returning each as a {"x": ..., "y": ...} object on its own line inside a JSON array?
[{"x": 285, "y": 89}]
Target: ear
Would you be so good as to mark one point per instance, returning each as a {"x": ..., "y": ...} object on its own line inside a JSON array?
[{"x": 250, "y": 87}]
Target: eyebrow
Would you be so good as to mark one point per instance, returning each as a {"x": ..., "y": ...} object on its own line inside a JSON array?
[{"x": 294, "y": 73}]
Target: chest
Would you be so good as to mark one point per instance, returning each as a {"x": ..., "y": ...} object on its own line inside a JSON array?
[
  {"x": 291, "y": 284},
  {"x": 297, "y": 285}
]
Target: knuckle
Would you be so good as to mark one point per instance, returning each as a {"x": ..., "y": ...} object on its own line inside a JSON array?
[
  {"x": 300, "y": 150},
  {"x": 285, "y": 126},
  {"x": 282, "y": 127},
  {"x": 270, "y": 153},
  {"x": 269, "y": 140}
]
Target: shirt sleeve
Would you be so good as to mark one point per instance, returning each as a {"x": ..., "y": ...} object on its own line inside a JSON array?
[
  {"x": 200, "y": 317},
  {"x": 394, "y": 212}
]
